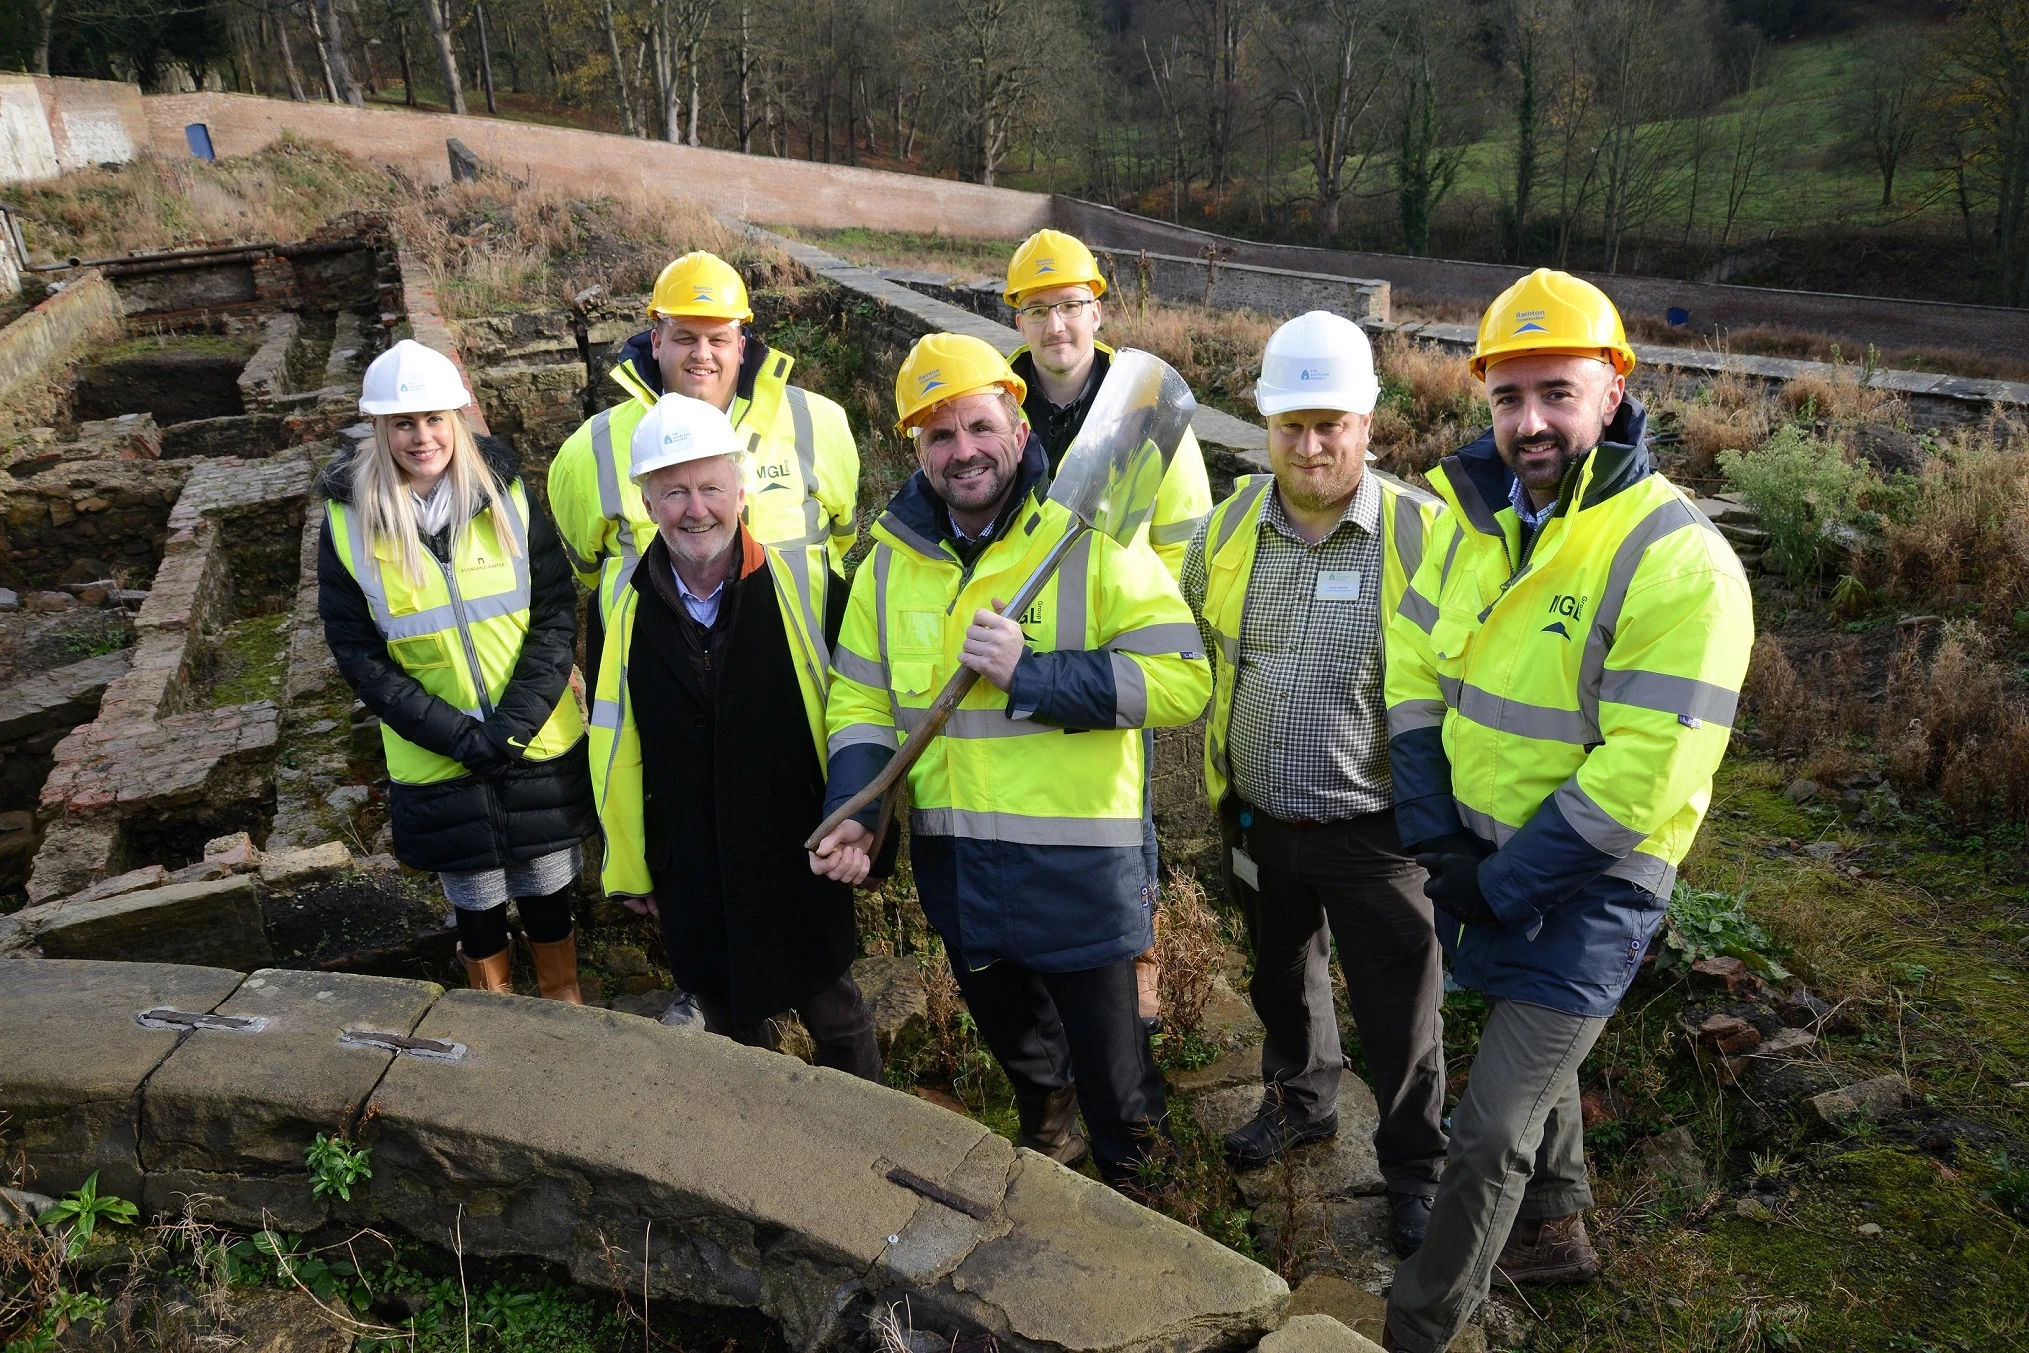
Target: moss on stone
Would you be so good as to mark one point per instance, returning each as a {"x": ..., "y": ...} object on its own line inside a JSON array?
[{"x": 249, "y": 660}]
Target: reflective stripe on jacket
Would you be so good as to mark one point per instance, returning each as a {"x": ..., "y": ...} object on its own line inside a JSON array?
[
  {"x": 1231, "y": 542},
  {"x": 458, "y": 630},
  {"x": 1035, "y": 797},
  {"x": 802, "y": 469},
  {"x": 800, "y": 575},
  {"x": 1567, "y": 703},
  {"x": 1186, "y": 493}
]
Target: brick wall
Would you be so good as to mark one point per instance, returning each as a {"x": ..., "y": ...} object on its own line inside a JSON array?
[
  {"x": 49, "y": 126},
  {"x": 750, "y": 187}
]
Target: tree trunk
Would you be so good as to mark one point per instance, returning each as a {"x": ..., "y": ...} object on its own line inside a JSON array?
[
  {"x": 408, "y": 71},
  {"x": 323, "y": 53},
  {"x": 281, "y": 19},
  {"x": 340, "y": 67},
  {"x": 619, "y": 72},
  {"x": 690, "y": 137},
  {"x": 438, "y": 12},
  {"x": 746, "y": 74},
  {"x": 1525, "y": 150},
  {"x": 485, "y": 59},
  {"x": 45, "y": 13}
]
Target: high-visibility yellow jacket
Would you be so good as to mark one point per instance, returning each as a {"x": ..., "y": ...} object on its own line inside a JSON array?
[
  {"x": 1231, "y": 542},
  {"x": 1026, "y": 814},
  {"x": 1567, "y": 704},
  {"x": 458, "y": 630},
  {"x": 1186, "y": 493},
  {"x": 801, "y": 577},
  {"x": 802, "y": 468}
]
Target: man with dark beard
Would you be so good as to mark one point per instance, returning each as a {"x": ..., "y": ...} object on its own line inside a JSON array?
[
  {"x": 1291, "y": 580},
  {"x": 1562, "y": 676}
]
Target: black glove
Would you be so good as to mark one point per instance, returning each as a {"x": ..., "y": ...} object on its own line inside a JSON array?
[
  {"x": 1458, "y": 843},
  {"x": 479, "y": 752},
  {"x": 1454, "y": 885}
]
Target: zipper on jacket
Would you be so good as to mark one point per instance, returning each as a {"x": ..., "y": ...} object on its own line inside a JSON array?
[{"x": 465, "y": 636}]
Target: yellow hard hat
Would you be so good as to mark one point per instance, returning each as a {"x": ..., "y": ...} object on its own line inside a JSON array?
[
  {"x": 942, "y": 367},
  {"x": 1550, "y": 311},
  {"x": 700, "y": 284},
  {"x": 1050, "y": 258}
]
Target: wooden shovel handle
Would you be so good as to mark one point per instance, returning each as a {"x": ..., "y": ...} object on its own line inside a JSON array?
[{"x": 898, "y": 765}]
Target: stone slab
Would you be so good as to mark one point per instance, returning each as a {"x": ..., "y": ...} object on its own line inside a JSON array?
[
  {"x": 1083, "y": 1268},
  {"x": 1347, "y": 1302},
  {"x": 76, "y": 1060},
  {"x": 896, "y": 997},
  {"x": 1317, "y": 1333},
  {"x": 62, "y": 697},
  {"x": 1343, "y": 1166},
  {"x": 216, "y": 922},
  {"x": 567, "y": 1128},
  {"x": 229, "y": 1104}
]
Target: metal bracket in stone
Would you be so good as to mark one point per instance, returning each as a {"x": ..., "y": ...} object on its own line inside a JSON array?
[
  {"x": 162, "y": 1017},
  {"x": 937, "y": 1193},
  {"x": 430, "y": 1049}
]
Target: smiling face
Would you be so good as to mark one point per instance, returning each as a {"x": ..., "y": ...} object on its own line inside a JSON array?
[
  {"x": 1061, "y": 344},
  {"x": 1550, "y": 410},
  {"x": 421, "y": 444},
  {"x": 969, "y": 448},
  {"x": 699, "y": 357},
  {"x": 696, "y": 507},
  {"x": 1318, "y": 456}
]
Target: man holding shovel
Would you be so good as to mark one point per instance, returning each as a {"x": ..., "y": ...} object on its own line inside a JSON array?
[{"x": 1025, "y": 824}]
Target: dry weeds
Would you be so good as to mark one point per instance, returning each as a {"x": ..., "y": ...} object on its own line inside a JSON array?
[
  {"x": 1962, "y": 535},
  {"x": 1189, "y": 945}
]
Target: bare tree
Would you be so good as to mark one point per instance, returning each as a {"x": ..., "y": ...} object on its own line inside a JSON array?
[
  {"x": 1883, "y": 107},
  {"x": 990, "y": 56},
  {"x": 1163, "y": 73},
  {"x": 619, "y": 70},
  {"x": 279, "y": 15},
  {"x": 485, "y": 58},
  {"x": 1988, "y": 70},
  {"x": 1332, "y": 58},
  {"x": 442, "y": 24},
  {"x": 1756, "y": 130}
]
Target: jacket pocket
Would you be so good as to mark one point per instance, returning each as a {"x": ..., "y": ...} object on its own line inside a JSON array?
[{"x": 912, "y": 678}]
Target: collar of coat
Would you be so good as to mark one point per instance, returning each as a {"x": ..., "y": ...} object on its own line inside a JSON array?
[
  {"x": 658, "y": 570},
  {"x": 335, "y": 482},
  {"x": 1482, "y": 481},
  {"x": 916, "y": 516},
  {"x": 635, "y": 369}
]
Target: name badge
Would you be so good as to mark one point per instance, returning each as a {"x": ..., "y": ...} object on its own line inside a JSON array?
[
  {"x": 1338, "y": 584},
  {"x": 1245, "y": 869}
]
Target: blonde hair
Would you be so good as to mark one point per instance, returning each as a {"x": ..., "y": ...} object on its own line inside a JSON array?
[{"x": 386, "y": 507}]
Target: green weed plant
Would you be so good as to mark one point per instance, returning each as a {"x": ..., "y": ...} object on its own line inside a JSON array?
[{"x": 1800, "y": 489}]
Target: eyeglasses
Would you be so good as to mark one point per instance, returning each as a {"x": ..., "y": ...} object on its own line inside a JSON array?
[{"x": 1063, "y": 310}]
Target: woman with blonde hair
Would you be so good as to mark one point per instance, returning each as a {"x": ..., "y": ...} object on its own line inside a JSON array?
[{"x": 449, "y": 606}]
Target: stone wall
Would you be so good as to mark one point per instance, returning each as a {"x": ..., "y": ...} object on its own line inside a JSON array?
[
  {"x": 1242, "y": 286},
  {"x": 35, "y": 348},
  {"x": 701, "y": 1170},
  {"x": 753, "y": 188},
  {"x": 52, "y": 125},
  {"x": 1886, "y": 322}
]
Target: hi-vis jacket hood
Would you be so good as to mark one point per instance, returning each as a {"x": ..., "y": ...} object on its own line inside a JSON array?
[
  {"x": 1566, "y": 699},
  {"x": 1025, "y": 825}
]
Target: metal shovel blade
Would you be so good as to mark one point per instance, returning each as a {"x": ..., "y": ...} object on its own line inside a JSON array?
[{"x": 1110, "y": 474}]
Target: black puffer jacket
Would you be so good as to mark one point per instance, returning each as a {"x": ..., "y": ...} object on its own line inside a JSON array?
[{"x": 508, "y": 809}]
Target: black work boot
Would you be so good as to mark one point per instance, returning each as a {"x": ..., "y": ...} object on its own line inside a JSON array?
[
  {"x": 1548, "y": 1251},
  {"x": 1049, "y": 1124},
  {"x": 1408, "y": 1221},
  {"x": 1271, "y": 1133}
]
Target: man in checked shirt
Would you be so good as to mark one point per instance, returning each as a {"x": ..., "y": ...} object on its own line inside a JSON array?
[{"x": 1290, "y": 579}]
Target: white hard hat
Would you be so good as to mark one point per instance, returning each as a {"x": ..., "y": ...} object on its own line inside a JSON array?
[
  {"x": 410, "y": 378},
  {"x": 678, "y": 430},
  {"x": 1317, "y": 361}
]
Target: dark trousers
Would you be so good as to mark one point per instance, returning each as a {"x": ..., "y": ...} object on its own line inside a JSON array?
[
  {"x": 1347, "y": 881},
  {"x": 1052, "y": 1029},
  {"x": 838, "y": 1020}
]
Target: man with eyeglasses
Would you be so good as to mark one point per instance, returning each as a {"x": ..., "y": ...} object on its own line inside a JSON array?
[{"x": 1054, "y": 285}]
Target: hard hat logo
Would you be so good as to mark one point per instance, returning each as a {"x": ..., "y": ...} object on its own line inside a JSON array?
[
  {"x": 1530, "y": 328},
  {"x": 930, "y": 380},
  {"x": 701, "y": 294},
  {"x": 1046, "y": 265},
  {"x": 1314, "y": 374}
]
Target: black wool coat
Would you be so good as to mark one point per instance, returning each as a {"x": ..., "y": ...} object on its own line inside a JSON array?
[
  {"x": 508, "y": 809},
  {"x": 731, "y": 789}
]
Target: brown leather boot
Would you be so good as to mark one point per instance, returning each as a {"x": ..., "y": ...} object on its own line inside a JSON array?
[
  {"x": 1049, "y": 1124},
  {"x": 1147, "y": 990},
  {"x": 1547, "y": 1252},
  {"x": 556, "y": 969},
  {"x": 489, "y": 974}
]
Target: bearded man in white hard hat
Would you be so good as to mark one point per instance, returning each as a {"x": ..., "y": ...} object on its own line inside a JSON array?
[
  {"x": 708, "y": 747},
  {"x": 1291, "y": 580}
]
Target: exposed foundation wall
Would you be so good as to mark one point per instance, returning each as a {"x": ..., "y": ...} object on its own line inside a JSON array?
[
  {"x": 35, "y": 349},
  {"x": 753, "y": 188}
]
